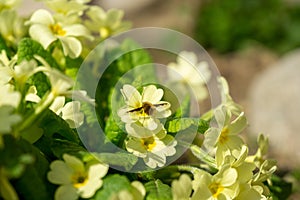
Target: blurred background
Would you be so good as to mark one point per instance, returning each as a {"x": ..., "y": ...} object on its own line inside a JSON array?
[{"x": 256, "y": 47}]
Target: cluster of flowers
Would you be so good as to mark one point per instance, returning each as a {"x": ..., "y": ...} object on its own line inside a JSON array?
[
  {"x": 147, "y": 137},
  {"x": 237, "y": 175}
]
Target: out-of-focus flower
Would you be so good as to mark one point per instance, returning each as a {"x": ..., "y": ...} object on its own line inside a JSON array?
[
  {"x": 137, "y": 192},
  {"x": 45, "y": 29},
  {"x": 182, "y": 188},
  {"x": 67, "y": 11},
  {"x": 8, "y": 4},
  {"x": 12, "y": 27},
  {"x": 145, "y": 108},
  {"x": 70, "y": 111},
  {"x": 8, "y": 96},
  {"x": 153, "y": 150},
  {"x": 106, "y": 23},
  {"x": 190, "y": 73},
  {"x": 76, "y": 179},
  {"x": 222, "y": 185},
  {"x": 7, "y": 119},
  {"x": 224, "y": 138}
]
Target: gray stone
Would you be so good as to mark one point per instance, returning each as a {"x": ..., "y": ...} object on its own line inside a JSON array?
[{"x": 274, "y": 108}]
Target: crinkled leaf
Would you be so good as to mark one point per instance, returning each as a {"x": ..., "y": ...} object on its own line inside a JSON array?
[
  {"x": 176, "y": 125},
  {"x": 41, "y": 82},
  {"x": 156, "y": 190},
  {"x": 27, "y": 48},
  {"x": 112, "y": 185}
]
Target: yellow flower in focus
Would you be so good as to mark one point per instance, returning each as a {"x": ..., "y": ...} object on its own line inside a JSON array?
[
  {"x": 144, "y": 109},
  {"x": 224, "y": 138},
  {"x": 220, "y": 186},
  {"x": 153, "y": 150}
]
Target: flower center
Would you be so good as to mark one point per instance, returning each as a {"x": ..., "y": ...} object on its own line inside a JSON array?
[
  {"x": 215, "y": 189},
  {"x": 104, "y": 32},
  {"x": 57, "y": 29},
  {"x": 79, "y": 180},
  {"x": 148, "y": 143},
  {"x": 224, "y": 135}
]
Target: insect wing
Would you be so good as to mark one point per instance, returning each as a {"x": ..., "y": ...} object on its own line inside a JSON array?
[{"x": 162, "y": 106}]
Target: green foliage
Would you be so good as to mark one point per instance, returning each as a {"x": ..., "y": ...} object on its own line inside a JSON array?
[
  {"x": 156, "y": 190},
  {"x": 25, "y": 162},
  {"x": 54, "y": 125},
  {"x": 4, "y": 47},
  {"x": 113, "y": 131},
  {"x": 279, "y": 188},
  {"x": 112, "y": 185},
  {"x": 125, "y": 160},
  {"x": 229, "y": 25}
]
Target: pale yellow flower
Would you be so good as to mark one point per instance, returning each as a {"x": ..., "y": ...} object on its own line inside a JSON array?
[
  {"x": 224, "y": 138},
  {"x": 45, "y": 29},
  {"x": 220, "y": 186},
  {"x": 182, "y": 188},
  {"x": 76, "y": 179},
  {"x": 153, "y": 150},
  {"x": 12, "y": 27},
  {"x": 190, "y": 73},
  {"x": 145, "y": 108},
  {"x": 106, "y": 23},
  {"x": 70, "y": 111}
]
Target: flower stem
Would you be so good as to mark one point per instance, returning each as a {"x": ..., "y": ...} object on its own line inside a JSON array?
[
  {"x": 203, "y": 156},
  {"x": 42, "y": 105}
]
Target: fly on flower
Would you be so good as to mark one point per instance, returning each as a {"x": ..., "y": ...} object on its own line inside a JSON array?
[
  {"x": 145, "y": 108},
  {"x": 149, "y": 108}
]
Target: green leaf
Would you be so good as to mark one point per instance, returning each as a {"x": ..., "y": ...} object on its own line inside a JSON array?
[
  {"x": 180, "y": 124},
  {"x": 113, "y": 132},
  {"x": 27, "y": 48},
  {"x": 25, "y": 162},
  {"x": 60, "y": 147},
  {"x": 112, "y": 185},
  {"x": 156, "y": 190},
  {"x": 125, "y": 160},
  {"x": 53, "y": 125},
  {"x": 280, "y": 189},
  {"x": 176, "y": 125},
  {"x": 184, "y": 109},
  {"x": 41, "y": 82}
]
